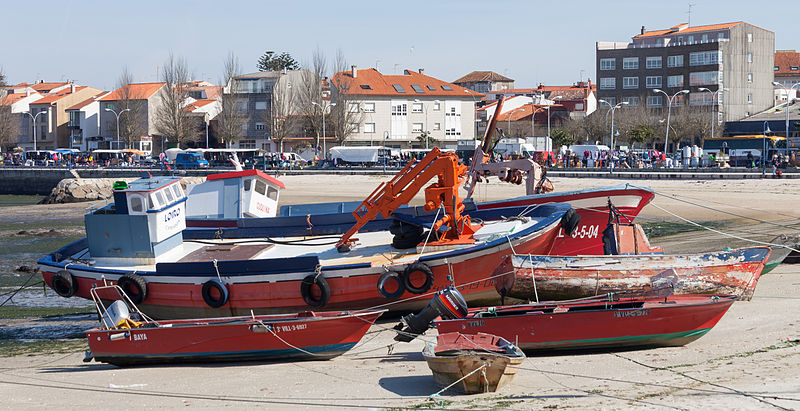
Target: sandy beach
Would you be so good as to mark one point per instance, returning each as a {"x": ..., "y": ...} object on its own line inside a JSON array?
[{"x": 750, "y": 360}]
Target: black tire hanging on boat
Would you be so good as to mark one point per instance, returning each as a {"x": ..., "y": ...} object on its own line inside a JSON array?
[
  {"x": 324, "y": 288},
  {"x": 64, "y": 284},
  {"x": 409, "y": 240},
  {"x": 386, "y": 277},
  {"x": 570, "y": 221},
  {"x": 134, "y": 286},
  {"x": 221, "y": 289},
  {"x": 424, "y": 269}
]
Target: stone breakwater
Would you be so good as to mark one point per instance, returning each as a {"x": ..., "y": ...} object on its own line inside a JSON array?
[{"x": 75, "y": 190}]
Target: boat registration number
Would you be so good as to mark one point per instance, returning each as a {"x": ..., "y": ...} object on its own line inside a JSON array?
[
  {"x": 637, "y": 313},
  {"x": 139, "y": 337},
  {"x": 290, "y": 327},
  {"x": 584, "y": 231}
]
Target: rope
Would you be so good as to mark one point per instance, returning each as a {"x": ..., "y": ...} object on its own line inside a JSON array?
[
  {"x": 217, "y": 269},
  {"x": 533, "y": 277},
  {"x": 269, "y": 328},
  {"x": 24, "y": 285},
  {"x": 436, "y": 394},
  {"x": 427, "y": 237}
]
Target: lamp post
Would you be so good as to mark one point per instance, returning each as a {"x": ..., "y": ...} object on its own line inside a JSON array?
[
  {"x": 509, "y": 118},
  {"x": 764, "y": 153},
  {"x": 474, "y": 111},
  {"x": 612, "y": 109},
  {"x": 117, "y": 114},
  {"x": 669, "y": 111},
  {"x": 533, "y": 118},
  {"x": 206, "y": 120},
  {"x": 790, "y": 96},
  {"x": 713, "y": 103},
  {"x": 548, "y": 114},
  {"x": 34, "y": 125},
  {"x": 323, "y": 108},
  {"x": 385, "y": 136}
]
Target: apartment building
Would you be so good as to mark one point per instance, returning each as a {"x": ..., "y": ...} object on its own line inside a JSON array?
[
  {"x": 134, "y": 107},
  {"x": 398, "y": 109},
  {"x": 485, "y": 81},
  {"x": 735, "y": 57},
  {"x": 53, "y": 130}
]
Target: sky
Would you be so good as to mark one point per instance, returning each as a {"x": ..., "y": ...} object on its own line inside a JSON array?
[{"x": 532, "y": 42}]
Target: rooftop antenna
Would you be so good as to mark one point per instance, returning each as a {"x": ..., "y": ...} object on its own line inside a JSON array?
[
  {"x": 395, "y": 68},
  {"x": 689, "y": 23},
  {"x": 376, "y": 64}
]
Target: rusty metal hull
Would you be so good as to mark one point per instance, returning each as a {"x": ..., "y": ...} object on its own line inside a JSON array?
[{"x": 734, "y": 272}]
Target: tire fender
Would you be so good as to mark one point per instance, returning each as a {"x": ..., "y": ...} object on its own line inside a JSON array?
[
  {"x": 220, "y": 287},
  {"x": 134, "y": 286},
  {"x": 322, "y": 283},
  {"x": 64, "y": 284},
  {"x": 424, "y": 269},
  {"x": 389, "y": 276}
]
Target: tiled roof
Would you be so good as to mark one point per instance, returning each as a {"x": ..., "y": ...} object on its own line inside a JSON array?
[
  {"x": 137, "y": 91},
  {"x": 573, "y": 92},
  {"x": 410, "y": 84},
  {"x": 197, "y": 104},
  {"x": 58, "y": 95},
  {"x": 526, "y": 110},
  {"x": 477, "y": 76},
  {"x": 86, "y": 102},
  {"x": 785, "y": 60},
  {"x": 13, "y": 98},
  {"x": 693, "y": 29}
]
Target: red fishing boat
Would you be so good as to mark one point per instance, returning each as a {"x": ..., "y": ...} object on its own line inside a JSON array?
[
  {"x": 538, "y": 277},
  {"x": 128, "y": 337},
  {"x": 600, "y": 322}
]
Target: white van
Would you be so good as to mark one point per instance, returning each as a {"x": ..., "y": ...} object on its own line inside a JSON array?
[{"x": 594, "y": 150}]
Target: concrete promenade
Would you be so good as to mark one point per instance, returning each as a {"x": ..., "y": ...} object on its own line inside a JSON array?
[{"x": 41, "y": 181}]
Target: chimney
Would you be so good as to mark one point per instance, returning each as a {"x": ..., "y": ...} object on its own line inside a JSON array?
[
  {"x": 353, "y": 71},
  {"x": 27, "y": 92},
  {"x": 71, "y": 87},
  {"x": 643, "y": 30},
  {"x": 422, "y": 71}
]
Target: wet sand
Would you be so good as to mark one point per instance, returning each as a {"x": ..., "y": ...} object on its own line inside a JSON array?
[{"x": 750, "y": 360}]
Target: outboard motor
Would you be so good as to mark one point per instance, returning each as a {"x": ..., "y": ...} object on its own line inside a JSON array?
[{"x": 448, "y": 304}]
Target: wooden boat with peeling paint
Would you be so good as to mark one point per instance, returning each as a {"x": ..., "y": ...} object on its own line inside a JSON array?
[{"x": 537, "y": 277}]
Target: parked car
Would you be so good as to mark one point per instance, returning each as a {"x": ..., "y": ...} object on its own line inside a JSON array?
[{"x": 190, "y": 160}]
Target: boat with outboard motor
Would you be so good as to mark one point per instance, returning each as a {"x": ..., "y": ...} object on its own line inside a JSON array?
[
  {"x": 126, "y": 336},
  {"x": 137, "y": 242}
]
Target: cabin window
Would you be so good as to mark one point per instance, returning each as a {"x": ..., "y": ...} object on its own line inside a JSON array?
[
  {"x": 272, "y": 193},
  {"x": 150, "y": 202},
  {"x": 261, "y": 187},
  {"x": 160, "y": 198},
  {"x": 247, "y": 184},
  {"x": 176, "y": 188},
  {"x": 168, "y": 193},
  {"x": 137, "y": 204}
]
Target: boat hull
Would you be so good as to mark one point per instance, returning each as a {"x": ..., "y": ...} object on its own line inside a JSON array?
[
  {"x": 678, "y": 321},
  {"x": 296, "y": 337},
  {"x": 734, "y": 272}
]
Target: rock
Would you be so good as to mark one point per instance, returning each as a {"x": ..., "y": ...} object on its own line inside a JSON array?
[{"x": 26, "y": 269}]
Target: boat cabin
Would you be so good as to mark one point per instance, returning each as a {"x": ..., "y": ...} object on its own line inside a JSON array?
[
  {"x": 246, "y": 193},
  {"x": 145, "y": 220}
]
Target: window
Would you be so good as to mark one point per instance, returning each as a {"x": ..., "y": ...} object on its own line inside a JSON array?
[
  {"x": 247, "y": 184},
  {"x": 398, "y": 88},
  {"x": 259, "y": 126},
  {"x": 777, "y": 68},
  {"x": 366, "y": 87},
  {"x": 653, "y": 81},
  {"x": 417, "y": 88},
  {"x": 703, "y": 78},
  {"x": 431, "y": 88},
  {"x": 675, "y": 61},
  {"x": 416, "y": 127},
  {"x": 416, "y": 108},
  {"x": 749, "y": 98},
  {"x": 701, "y": 58},
  {"x": 608, "y": 64},
  {"x": 272, "y": 193},
  {"x": 700, "y": 99},
  {"x": 675, "y": 81},
  {"x": 241, "y": 106},
  {"x": 630, "y": 63},
  {"x": 579, "y": 106},
  {"x": 630, "y": 82},
  {"x": 447, "y": 88},
  {"x": 632, "y": 101},
  {"x": 749, "y": 57},
  {"x": 608, "y": 83},
  {"x": 437, "y": 106},
  {"x": 369, "y": 127},
  {"x": 261, "y": 105},
  {"x": 437, "y": 126},
  {"x": 611, "y": 100},
  {"x": 261, "y": 187},
  {"x": 400, "y": 110},
  {"x": 168, "y": 193},
  {"x": 705, "y": 38},
  {"x": 749, "y": 37},
  {"x": 247, "y": 144},
  {"x": 678, "y": 101},
  {"x": 720, "y": 36},
  {"x": 110, "y": 106},
  {"x": 691, "y": 39},
  {"x": 653, "y": 101},
  {"x": 793, "y": 68},
  {"x": 352, "y": 107},
  {"x": 653, "y": 62},
  {"x": 749, "y": 77},
  {"x": 369, "y": 107},
  {"x": 137, "y": 204}
]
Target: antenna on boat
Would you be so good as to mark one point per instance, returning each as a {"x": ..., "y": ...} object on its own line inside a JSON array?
[{"x": 236, "y": 164}]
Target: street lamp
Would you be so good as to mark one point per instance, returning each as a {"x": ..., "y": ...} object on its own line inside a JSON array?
[
  {"x": 669, "y": 111},
  {"x": 764, "y": 153},
  {"x": 548, "y": 113},
  {"x": 324, "y": 148},
  {"x": 612, "y": 109},
  {"x": 713, "y": 103},
  {"x": 790, "y": 96},
  {"x": 509, "y": 119},
  {"x": 34, "y": 125},
  {"x": 474, "y": 111},
  {"x": 206, "y": 120},
  {"x": 385, "y": 136},
  {"x": 533, "y": 118},
  {"x": 117, "y": 115}
]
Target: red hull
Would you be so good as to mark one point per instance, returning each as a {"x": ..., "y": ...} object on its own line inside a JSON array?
[
  {"x": 302, "y": 336},
  {"x": 351, "y": 289},
  {"x": 579, "y": 325},
  {"x": 592, "y": 206}
]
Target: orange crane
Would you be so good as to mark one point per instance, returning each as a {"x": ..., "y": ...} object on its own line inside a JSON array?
[{"x": 406, "y": 184}]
